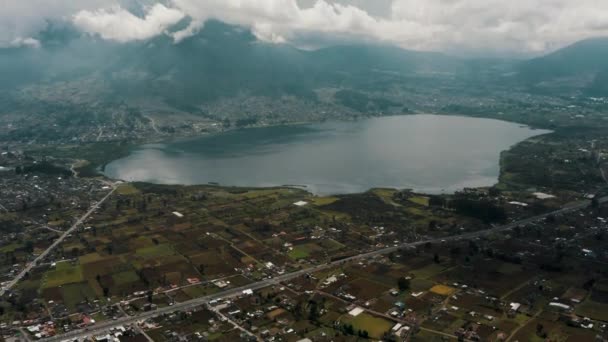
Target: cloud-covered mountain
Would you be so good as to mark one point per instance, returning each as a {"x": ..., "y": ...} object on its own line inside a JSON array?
[
  {"x": 222, "y": 60},
  {"x": 583, "y": 65},
  {"x": 224, "y": 72},
  {"x": 484, "y": 27},
  {"x": 219, "y": 61}
]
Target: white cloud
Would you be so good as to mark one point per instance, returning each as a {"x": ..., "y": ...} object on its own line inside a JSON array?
[
  {"x": 278, "y": 20},
  {"x": 466, "y": 25},
  {"x": 20, "y": 19},
  {"x": 25, "y": 42},
  {"x": 528, "y": 26},
  {"x": 121, "y": 25},
  {"x": 523, "y": 25}
]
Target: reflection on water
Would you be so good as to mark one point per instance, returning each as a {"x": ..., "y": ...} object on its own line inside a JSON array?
[{"x": 424, "y": 152}]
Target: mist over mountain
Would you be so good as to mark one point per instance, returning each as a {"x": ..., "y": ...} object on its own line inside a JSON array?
[
  {"x": 225, "y": 74},
  {"x": 219, "y": 61},
  {"x": 222, "y": 60},
  {"x": 580, "y": 66}
]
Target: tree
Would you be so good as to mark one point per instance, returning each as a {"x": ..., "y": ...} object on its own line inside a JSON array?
[
  {"x": 392, "y": 257},
  {"x": 436, "y": 201},
  {"x": 29, "y": 246},
  {"x": 297, "y": 311},
  {"x": 489, "y": 252},
  {"x": 348, "y": 329},
  {"x": 599, "y": 236},
  {"x": 494, "y": 191},
  {"x": 588, "y": 285},
  {"x": 403, "y": 283},
  {"x": 517, "y": 231},
  {"x": 539, "y": 329},
  {"x": 481, "y": 209},
  {"x": 313, "y": 311},
  {"x": 473, "y": 247}
]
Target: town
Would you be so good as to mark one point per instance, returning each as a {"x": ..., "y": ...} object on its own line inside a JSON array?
[
  {"x": 92, "y": 258},
  {"x": 303, "y": 171}
]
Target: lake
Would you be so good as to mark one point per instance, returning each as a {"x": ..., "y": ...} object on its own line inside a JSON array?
[{"x": 427, "y": 153}]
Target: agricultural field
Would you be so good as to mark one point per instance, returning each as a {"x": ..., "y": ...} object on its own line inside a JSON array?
[
  {"x": 151, "y": 246},
  {"x": 595, "y": 305},
  {"x": 375, "y": 326},
  {"x": 164, "y": 238},
  {"x": 64, "y": 273},
  {"x": 304, "y": 251}
]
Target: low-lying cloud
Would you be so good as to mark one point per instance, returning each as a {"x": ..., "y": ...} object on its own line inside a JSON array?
[
  {"x": 121, "y": 25},
  {"x": 20, "y": 20},
  {"x": 484, "y": 26}
]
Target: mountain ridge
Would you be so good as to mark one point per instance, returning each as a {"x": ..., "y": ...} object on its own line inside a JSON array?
[{"x": 223, "y": 74}]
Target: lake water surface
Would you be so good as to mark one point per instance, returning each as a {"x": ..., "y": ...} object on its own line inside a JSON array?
[{"x": 427, "y": 153}]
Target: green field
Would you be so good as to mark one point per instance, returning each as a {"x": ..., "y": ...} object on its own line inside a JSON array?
[
  {"x": 76, "y": 293},
  {"x": 331, "y": 245},
  {"x": 10, "y": 248},
  {"x": 385, "y": 195},
  {"x": 417, "y": 212},
  {"x": 88, "y": 258},
  {"x": 593, "y": 310},
  {"x": 420, "y": 200},
  {"x": 299, "y": 252},
  {"x": 155, "y": 251},
  {"x": 198, "y": 291},
  {"x": 64, "y": 273},
  {"x": 419, "y": 284},
  {"x": 303, "y": 251},
  {"x": 375, "y": 326},
  {"x": 125, "y": 277},
  {"x": 321, "y": 201},
  {"x": 127, "y": 189},
  {"x": 509, "y": 269},
  {"x": 428, "y": 271}
]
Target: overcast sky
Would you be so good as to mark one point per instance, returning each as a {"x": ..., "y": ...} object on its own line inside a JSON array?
[{"x": 513, "y": 27}]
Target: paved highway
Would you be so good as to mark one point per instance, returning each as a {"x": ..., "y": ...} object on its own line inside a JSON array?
[
  {"x": 43, "y": 255},
  {"x": 187, "y": 305}
]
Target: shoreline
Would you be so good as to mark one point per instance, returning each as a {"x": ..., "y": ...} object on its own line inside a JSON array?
[{"x": 309, "y": 188}]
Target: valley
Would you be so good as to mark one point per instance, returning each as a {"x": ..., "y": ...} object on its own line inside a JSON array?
[
  {"x": 226, "y": 188},
  {"x": 159, "y": 252}
]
